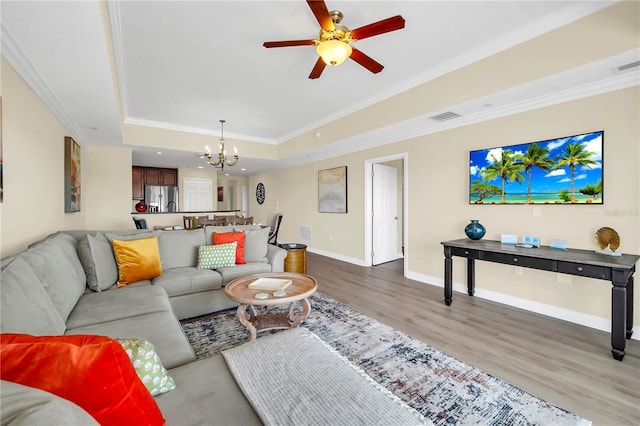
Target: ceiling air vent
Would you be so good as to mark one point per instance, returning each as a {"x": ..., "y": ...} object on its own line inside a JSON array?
[
  {"x": 625, "y": 67},
  {"x": 445, "y": 116}
]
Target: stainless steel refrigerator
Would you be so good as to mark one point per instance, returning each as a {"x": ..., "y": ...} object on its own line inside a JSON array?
[{"x": 161, "y": 198}]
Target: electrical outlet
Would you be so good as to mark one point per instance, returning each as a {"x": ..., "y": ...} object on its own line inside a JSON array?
[
  {"x": 519, "y": 271},
  {"x": 563, "y": 278}
]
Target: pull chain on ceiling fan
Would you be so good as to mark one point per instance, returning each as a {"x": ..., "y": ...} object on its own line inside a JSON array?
[{"x": 333, "y": 44}]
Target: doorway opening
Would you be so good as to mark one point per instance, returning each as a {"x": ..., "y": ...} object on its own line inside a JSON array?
[{"x": 385, "y": 221}]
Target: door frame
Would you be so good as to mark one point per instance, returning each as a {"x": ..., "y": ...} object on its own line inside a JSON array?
[{"x": 368, "y": 205}]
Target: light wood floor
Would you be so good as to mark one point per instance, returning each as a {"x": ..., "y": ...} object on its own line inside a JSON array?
[{"x": 566, "y": 364}]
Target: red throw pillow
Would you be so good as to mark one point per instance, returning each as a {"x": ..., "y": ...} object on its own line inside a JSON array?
[
  {"x": 94, "y": 372},
  {"x": 229, "y": 237}
]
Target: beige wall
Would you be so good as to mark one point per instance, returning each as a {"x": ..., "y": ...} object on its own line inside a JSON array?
[
  {"x": 438, "y": 208},
  {"x": 33, "y": 151}
]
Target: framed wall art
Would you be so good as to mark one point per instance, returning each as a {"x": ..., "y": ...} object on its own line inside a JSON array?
[
  {"x": 72, "y": 177},
  {"x": 220, "y": 193},
  {"x": 332, "y": 190}
]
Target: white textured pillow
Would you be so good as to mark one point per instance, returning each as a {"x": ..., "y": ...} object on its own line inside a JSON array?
[{"x": 217, "y": 256}]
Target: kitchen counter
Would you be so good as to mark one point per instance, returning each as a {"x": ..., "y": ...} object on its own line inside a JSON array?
[
  {"x": 170, "y": 219},
  {"x": 225, "y": 212}
]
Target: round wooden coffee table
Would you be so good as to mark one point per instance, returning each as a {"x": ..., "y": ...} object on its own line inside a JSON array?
[{"x": 302, "y": 286}]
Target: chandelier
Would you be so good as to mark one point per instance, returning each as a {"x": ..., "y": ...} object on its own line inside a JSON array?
[{"x": 222, "y": 159}]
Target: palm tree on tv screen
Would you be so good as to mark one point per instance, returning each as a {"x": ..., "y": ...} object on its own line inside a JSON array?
[
  {"x": 504, "y": 168},
  {"x": 575, "y": 155},
  {"x": 535, "y": 156}
]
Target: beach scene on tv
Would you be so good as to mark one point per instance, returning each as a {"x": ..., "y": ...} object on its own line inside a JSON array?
[{"x": 566, "y": 170}]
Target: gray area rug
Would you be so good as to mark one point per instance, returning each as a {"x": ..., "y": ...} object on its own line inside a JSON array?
[{"x": 442, "y": 388}]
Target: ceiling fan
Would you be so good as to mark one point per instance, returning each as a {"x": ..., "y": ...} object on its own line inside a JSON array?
[{"x": 333, "y": 45}]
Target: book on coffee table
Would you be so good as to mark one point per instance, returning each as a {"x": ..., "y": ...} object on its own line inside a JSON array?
[{"x": 269, "y": 284}]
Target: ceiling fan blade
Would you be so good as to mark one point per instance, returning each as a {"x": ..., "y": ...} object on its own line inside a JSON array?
[
  {"x": 366, "y": 61},
  {"x": 380, "y": 27},
  {"x": 320, "y": 11},
  {"x": 317, "y": 69},
  {"x": 288, "y": 43}
]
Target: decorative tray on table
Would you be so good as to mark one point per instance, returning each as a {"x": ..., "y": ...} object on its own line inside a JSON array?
[{"x": 269, "y": 284}]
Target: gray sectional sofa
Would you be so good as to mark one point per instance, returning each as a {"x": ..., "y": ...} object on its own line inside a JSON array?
[{"x": 64, "y": 285}]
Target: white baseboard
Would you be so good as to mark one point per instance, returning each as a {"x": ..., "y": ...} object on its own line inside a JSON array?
[
  {"x": 591, "y": 321},
  {"x": 336, "y": 256}
]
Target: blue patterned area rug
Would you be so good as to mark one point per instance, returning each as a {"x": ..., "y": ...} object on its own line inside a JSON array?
[{"x": 442, "y": 388}]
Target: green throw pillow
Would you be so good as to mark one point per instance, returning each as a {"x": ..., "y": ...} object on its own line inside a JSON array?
[
  {"x": 147, "y": 364},
  {"x": 217, "y": 256}
]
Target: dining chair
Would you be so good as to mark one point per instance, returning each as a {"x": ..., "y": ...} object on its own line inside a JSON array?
[
  {"x": 211, "y": 222},
  {"x": 273, "y": 221},
  {"x": 192, "y": 222},
  {"x": 140, "y": 223}
]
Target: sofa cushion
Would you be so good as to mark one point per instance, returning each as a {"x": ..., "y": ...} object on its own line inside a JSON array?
[
  {"x": 179, "y": 281},
  {"x": 249, "y": 268},
  {"x": 229, "y": 237},
  {"x": 118, "y": 303},
  {"x": 25, "y": 305},
  {"x": 206, "y": 393},
  {"x": 24, "y": 405},
  {"x": 137, "y": 260},
  {"x": 147, "y": 364},
  {"x": 56, "y": 274},
  {"x": 160, "y": 328},
  {"x": 94, "y": 372},
  {"x": 98, "y": 260},
  {"x": 179, "y": 249},
  {"x": 255, "y": 245},
  {"x": 68, "y": 245},
  {"x": 217, "y": 256}
]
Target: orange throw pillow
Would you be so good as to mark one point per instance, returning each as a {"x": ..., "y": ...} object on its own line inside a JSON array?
[
  {"x": 94, "y": 372},
  {"x": 229, "y": 237}
]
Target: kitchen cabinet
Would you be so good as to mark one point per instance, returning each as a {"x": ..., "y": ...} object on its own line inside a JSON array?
[
  {"x": 153, "y": 176},
  {"x": 142, "y": 176},
  {"x": 137, "y": 183}
]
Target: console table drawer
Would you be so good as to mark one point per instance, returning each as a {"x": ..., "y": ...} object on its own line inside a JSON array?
[
  {"x": 517, "y": 260},
  {"x": 464, "y": 252},
  {"x": 584, "y": 270}
]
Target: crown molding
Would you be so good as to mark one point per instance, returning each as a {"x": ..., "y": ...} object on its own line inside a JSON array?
[
  {"x": 21, "y": 63},
  {"x": 421, "y": 126},
  {"x": 196, "y": 130}
]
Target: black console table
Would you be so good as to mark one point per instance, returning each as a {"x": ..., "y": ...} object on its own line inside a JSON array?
[{"x": 619, "y": 270}]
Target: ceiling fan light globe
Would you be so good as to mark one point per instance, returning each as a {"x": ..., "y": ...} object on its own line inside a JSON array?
[{"x": 334, "y": 52}]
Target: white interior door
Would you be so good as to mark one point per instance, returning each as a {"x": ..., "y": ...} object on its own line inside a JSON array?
[
  {"x": 245, "y": 201},
  {"x": 385, "y": 214},
  {"x": 197, "y": 195}
]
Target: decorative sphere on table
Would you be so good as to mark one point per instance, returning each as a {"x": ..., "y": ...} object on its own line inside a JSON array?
[{"x": 475, "y": 230}]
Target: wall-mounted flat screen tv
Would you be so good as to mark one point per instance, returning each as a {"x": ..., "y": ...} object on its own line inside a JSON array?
[{"x": 565, "y": 170}]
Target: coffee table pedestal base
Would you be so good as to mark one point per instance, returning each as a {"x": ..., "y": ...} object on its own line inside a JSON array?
[{"x": 255, "y": 323}]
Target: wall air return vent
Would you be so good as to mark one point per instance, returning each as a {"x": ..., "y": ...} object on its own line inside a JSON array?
[
  {"x": 445, "y": 116},
  {"x": 626, "y": 67},
  {"x": 304, "y": 233}
]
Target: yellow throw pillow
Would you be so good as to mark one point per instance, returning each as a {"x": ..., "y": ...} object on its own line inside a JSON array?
[{"x": 137, "y": 260}]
